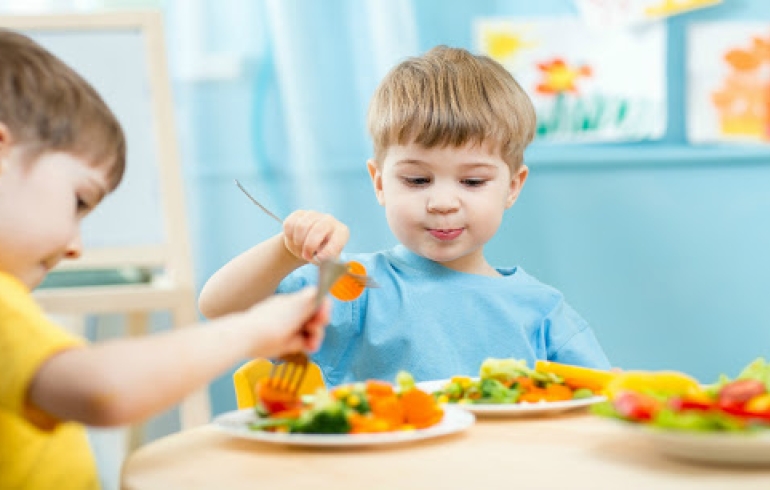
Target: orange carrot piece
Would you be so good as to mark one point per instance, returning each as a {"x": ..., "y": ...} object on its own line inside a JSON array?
[
  {"x": 420, "y": 409},
  {"x": 346, "y": 288},
  {"x": 557, "y": 392},
  {"x": 375, "y": 387},
  {"x": 388, "y": 408},
  {"x": 365, "y": 424},
  {"x": 525, "y": 383}
]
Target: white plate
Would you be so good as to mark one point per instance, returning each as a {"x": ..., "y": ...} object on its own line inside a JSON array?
[
  {"x": 236, "y": 423},
  {"x": 514, "y": 409},
  {"x": 703, "y": 447}
]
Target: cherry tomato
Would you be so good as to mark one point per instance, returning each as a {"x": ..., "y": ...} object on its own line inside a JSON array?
[
  {"x": 275, "y": 400},
  {"x": 734, "y": 395},
  {"x": 636, "y": 406}
]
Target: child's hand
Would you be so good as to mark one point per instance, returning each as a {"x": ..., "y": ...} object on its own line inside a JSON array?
[
  {"x": 314, "y": 236},
  {"x": 287, "y": 323}
]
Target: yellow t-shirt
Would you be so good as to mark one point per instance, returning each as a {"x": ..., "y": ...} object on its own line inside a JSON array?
[{"x": 36, "y": 451}]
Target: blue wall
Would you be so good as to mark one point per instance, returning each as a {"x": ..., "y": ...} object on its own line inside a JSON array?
[{"x": 663, "y": 247}]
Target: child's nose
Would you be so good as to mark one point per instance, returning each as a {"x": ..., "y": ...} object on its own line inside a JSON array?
[
  {"x": 443, "y": 201},
  {"x": 74, "y": 248}
]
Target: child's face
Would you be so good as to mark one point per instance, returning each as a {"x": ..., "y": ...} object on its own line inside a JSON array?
[
  {"x": 446, "y": 203},
  {"x": 41, "y": 205}
]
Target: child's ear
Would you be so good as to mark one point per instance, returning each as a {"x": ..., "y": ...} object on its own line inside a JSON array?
[
  {"x": 376, "y": 174},
  {"x": 5, "y": 145},
  {"x": 517, "y": 182}
]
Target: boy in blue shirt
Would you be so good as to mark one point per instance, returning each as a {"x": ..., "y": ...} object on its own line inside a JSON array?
[{"x": 449, "y": 131}]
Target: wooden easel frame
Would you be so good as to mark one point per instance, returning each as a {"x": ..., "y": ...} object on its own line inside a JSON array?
[{"x": 173, "y": 289}]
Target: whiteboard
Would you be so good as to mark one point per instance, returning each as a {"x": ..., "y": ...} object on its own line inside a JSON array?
[
  {"x": 115, "y": 63},
  {"x": 122, "y": 54}
]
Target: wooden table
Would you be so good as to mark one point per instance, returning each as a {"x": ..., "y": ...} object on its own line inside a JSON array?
[{"x": 571, "y": 451}]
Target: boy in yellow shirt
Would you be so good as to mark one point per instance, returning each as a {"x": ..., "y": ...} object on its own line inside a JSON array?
[{"x": 61, "y": 152}]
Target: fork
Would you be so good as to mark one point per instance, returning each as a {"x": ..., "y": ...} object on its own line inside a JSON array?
[
  {"x": 361, "y": 279},
  {"x": 288, "y": 375}
]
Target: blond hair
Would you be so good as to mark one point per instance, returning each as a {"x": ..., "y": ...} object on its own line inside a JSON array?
[
  {"x": 46, "y": 106},
  {"x": 450, "y": 97}
]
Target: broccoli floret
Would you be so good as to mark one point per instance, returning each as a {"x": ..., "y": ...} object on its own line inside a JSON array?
[
  {"x": 325, "y": 416},
  {"x": 453, "y": 391},
  {"x": 331, "y": 420},
  {"x": 493, "y": 391}
]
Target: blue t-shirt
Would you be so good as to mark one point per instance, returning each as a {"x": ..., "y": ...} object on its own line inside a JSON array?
[{"x": 436, "y": 322}]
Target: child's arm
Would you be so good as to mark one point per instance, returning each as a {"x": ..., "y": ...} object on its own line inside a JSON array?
[
  {"x": 255, "y": 274},
  {"x": 128, "y": 380}
]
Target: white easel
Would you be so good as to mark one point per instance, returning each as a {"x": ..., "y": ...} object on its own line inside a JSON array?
[{"x": 172, "y": 286}]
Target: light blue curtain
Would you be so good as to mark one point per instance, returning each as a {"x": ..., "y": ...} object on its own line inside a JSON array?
[{"x": 274, "y": 93}]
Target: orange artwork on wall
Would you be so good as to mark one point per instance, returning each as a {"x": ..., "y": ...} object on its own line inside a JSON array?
[{"x": 729, "y": 79}]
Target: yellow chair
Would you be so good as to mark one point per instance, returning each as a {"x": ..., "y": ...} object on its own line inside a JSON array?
[{"x": 245, "y": 380}]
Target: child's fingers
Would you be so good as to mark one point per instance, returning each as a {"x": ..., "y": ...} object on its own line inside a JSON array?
[
  {"x": 335, "y": 242},
  {"x": 295, "y": 228},
  {"x": 325, "y": 238},
  {"x": 313, "y": 329}
]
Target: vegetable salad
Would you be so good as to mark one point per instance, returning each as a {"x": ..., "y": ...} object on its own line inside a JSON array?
[
  {"x": 676, "y": 401},
  {"x": 511, "y": 381},
  {"x": 370, "y": 407}
]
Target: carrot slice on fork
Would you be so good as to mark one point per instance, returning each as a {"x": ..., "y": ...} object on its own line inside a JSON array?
[{"x": 347, "y": 288}]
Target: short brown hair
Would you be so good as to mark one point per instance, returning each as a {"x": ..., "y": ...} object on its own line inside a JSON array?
[
  {"x": 450, "y": 97},
  {"x": 47, "y": 106}
]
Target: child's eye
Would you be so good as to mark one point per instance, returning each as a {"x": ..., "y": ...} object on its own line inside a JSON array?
[
  {"x": 416, "y": 181},
  {"x": 473, "y": 182}
]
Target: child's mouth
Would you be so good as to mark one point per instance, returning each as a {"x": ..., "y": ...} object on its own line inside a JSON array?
[{"x": 446, "y": 235}]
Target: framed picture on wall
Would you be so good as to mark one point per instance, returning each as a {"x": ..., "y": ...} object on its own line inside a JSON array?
[
  {"x": 728, "y": 82},
  {"x": 586, "y": 85}
]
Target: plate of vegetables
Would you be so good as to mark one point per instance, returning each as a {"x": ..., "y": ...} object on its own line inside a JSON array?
[
  {"x": 726, "y": 422},
  {"x": 509, "y": 387},
  {"x": 362, "y": 414}
]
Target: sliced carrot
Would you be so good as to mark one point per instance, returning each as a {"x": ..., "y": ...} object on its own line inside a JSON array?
[
  {"x": 388, "y": 408},
  {"x": 375, "y": 387},
  {"x": 420, "y": 409},
  {"x": 556, "y": 392},
  {"x": 533, "y": 394},
  {"x": 347, "y": 288},
  {"x": 365, "y": 424},
  {"x": 525, "y": 383}
]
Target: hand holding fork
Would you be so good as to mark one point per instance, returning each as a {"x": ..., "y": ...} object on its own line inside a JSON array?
[{"x": 306, "y": 233}]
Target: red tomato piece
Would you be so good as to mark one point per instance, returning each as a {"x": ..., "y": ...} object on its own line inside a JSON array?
[
  {"x": 734, "y": 395},
  {"x": 636, "y": 406},
  {"x": 275, "y": 400},
  {"x": 679, "y": 404}
]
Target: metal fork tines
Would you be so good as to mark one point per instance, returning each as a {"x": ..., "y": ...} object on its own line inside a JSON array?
[
  {"x": 288, "y": 375},
  {"x": 365, "y": 281}
]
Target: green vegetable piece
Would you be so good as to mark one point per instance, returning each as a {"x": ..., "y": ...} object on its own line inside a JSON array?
[
  {"x": 493, "y": 391},
  {"x": 758, "y": 369},
  {"x": 404, "y": 381},
  {"x": 582, "y": 393},
  {"x": 697, "y": 421},
  {"x": 504, "y": 369}
]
